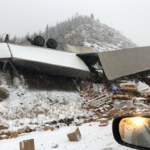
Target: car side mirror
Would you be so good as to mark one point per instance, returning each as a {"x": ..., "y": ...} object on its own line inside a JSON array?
[{"x": 132, "y": 131}]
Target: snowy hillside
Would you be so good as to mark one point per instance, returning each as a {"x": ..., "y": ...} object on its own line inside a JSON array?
[
  {"x": 82, "y": 31},
  {"x": 99, "y": 37},
  {"x": 35, "y": 100}
]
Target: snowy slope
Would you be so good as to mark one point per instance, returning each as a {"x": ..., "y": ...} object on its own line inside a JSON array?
[
  {"x": 93, "y": 138},
  {"x": 82, "y": 31},
  {"x": 99, "y": 37},
  {"x": 26, "y": 105}
]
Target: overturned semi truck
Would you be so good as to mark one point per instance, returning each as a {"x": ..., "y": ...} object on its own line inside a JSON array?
[{"x": 76, "y": 62}]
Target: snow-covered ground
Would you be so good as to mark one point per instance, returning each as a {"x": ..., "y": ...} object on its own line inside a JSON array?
[
  {"x": 32, "y": 106},
  {"x": 93, "y": 138}
]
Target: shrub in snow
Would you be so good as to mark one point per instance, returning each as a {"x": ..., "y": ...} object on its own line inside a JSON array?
[
  {"x": 3, "y": 93},
  {"x": 54, "y": 145}
]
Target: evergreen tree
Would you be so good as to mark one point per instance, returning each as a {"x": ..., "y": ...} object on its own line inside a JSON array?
[
  {"x": 46, "y": 33},
  {"x": 1, "y": 39},
  {"x": 14, "y": 39},
  {"x": 40, "y": 33},
  {"x": 92, "y": 16}
]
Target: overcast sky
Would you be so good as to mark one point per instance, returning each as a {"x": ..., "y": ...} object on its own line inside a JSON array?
[{"x": 132, "y": 17}]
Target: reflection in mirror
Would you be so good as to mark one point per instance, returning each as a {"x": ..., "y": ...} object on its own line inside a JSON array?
[{"x": 135, "y": 131}]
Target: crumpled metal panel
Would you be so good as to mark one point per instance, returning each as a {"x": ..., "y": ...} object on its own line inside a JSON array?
[{"x": 125, "y": 62}]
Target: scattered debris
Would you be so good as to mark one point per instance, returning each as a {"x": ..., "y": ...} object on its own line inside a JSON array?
[{"x": 110, "y": 100}]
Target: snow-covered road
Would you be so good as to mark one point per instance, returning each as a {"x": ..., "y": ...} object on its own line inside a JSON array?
[{"x": 93, "y": 138}]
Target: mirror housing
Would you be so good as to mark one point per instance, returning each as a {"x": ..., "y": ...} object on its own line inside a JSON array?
[{"x": 117, "y": 136}]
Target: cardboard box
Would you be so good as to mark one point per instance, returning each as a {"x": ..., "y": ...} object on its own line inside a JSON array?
[
  {"x": 21, "y": 131},
  {"x": 104, "y": 120},
  {"x": 52, "y": 128},
  {"x": 94, "y": 119},
  {"x": 78, "y": 124},
  {"x": 27, "y": 145},
  {"x": 105, "y": 116},
  {"x": 125, "y": 108},
  {"x": 126, "y": 112},
  {"x": 13, "y": 134},
  {"x": 123, "y": 113},
  {"x": 131, "y": 112},
  {"x": 27, "y": 129},
  {"x": 1, "y": 127},
  {"x": 113, "y": 111},
  {"x": 81, "y": 95},
  {"x": 2, "y": 137},
  {"x": 87, "y": 121},
  {"x": 5, "y": 127},
  {"x": 1, "y": 132},
  {"x": 120, "y": 97},
  {"x": 74, "y": 134},
  {"x": 33, "y": 130},
  {"x": 46, "y": 128},
  {"x": 117, "y": 114},
  {"x": 130, "y": 88},
  {"x": 99, "y": 115},
  {"x": 5, "y": 133},
  {"x": 110, "y": 117}
]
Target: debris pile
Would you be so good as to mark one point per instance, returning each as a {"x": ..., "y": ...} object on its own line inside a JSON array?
[
  {"x": 91, "y": 90},
  {"x": 112, "y": 99}
]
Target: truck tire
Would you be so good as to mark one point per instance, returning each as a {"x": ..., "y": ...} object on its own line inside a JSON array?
[
  {"x": 39, "y": 41},
  {"x": 51, "y": 43}
]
